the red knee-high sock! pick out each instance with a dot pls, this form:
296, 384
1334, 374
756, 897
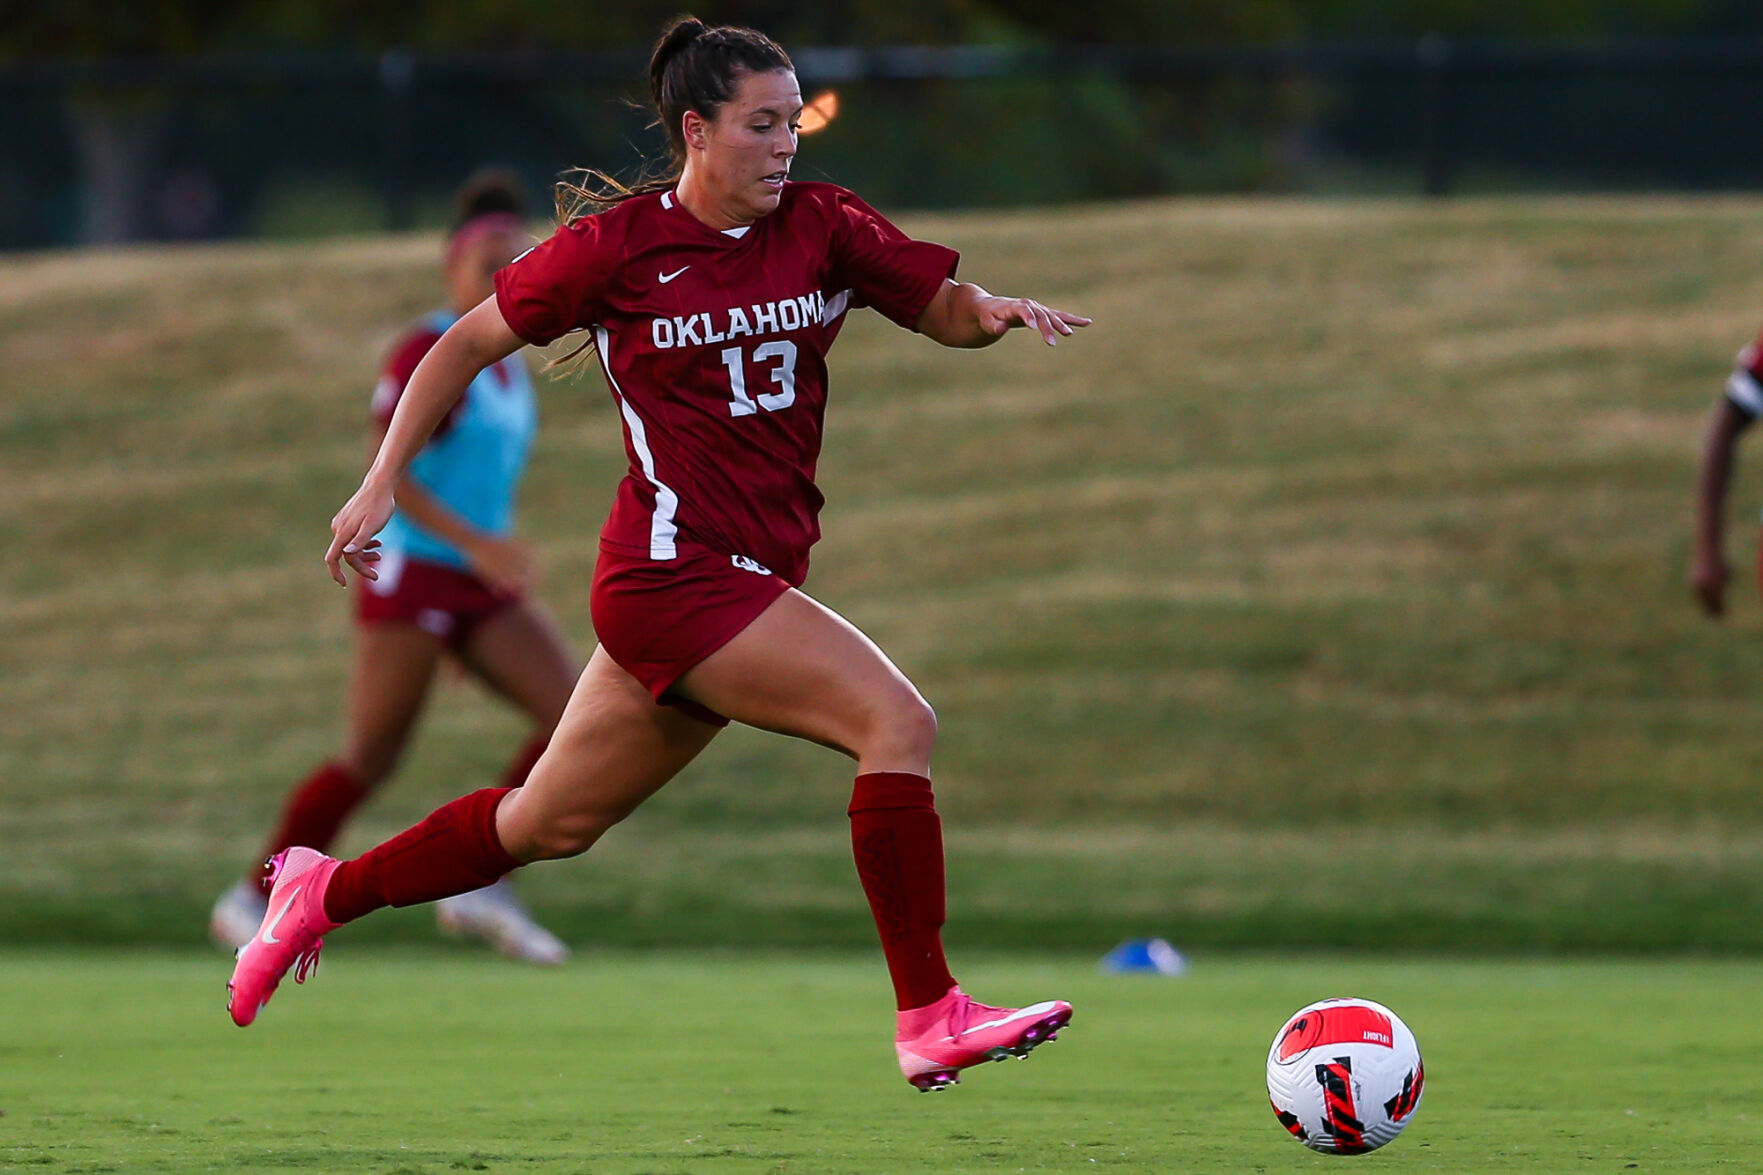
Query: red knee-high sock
897, 841
455, 850
314, 811
524, 760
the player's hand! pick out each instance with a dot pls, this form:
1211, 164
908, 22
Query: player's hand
1708, 579
505, 564
352, 531
997, 315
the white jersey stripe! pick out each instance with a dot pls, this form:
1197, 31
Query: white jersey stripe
1742, 389
662, 527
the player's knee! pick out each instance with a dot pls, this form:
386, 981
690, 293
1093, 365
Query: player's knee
567, 835
370, 768
908, 729
922, 725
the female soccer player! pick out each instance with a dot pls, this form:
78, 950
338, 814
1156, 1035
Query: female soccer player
712, 298
1735, 413
452, 580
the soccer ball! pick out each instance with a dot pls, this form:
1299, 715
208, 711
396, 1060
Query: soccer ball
1344, 1076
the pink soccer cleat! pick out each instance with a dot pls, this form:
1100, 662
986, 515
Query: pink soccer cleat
939, 1040
292, 933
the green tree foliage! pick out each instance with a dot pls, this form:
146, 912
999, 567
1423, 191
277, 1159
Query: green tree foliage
1000, 140
1512, 18
98, 28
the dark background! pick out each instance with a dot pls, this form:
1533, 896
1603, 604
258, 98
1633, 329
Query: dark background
282, 118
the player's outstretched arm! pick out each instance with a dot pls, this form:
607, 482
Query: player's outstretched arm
505, 563
962, 314
477, 340
1708, 566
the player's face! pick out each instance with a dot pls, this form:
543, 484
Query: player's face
471, 277
749, 146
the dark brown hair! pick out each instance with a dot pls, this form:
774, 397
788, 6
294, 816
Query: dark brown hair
487, 191
693, 67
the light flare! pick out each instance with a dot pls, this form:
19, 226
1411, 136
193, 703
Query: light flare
820, 110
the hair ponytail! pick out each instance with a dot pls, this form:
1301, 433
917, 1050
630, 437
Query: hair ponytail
693, 66
681, 33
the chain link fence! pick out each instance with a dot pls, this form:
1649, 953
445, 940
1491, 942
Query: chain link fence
291, 146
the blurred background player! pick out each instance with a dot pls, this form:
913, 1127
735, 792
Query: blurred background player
453, 582
714, 295
1738, 408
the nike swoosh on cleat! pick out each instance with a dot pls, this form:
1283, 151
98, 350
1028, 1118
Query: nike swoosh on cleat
1019, 1014
269, 929
667, 277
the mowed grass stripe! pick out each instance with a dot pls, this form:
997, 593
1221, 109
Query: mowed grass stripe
708, 1063
1080, 889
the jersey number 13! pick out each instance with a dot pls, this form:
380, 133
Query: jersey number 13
783, 374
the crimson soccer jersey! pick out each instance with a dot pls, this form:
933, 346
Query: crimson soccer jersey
1745, 386
715, 345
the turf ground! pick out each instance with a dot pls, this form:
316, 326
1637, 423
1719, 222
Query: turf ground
406, 1062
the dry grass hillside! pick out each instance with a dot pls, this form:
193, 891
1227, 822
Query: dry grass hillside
1329, 589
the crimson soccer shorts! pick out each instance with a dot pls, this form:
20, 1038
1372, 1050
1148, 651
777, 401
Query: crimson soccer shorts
658, 619
442, 601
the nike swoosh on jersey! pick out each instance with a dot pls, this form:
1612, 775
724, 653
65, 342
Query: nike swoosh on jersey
269, 930
667, 277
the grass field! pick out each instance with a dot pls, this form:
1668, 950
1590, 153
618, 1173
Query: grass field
1349, 525
671, 1064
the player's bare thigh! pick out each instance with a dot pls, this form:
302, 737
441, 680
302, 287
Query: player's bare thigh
390, 672
522, 654
614, 748
802, 669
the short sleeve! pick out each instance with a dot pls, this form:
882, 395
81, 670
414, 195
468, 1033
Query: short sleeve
559, 285
1744, 387
884, 267
400, 365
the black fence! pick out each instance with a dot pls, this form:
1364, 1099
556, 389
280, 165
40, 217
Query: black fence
307, 145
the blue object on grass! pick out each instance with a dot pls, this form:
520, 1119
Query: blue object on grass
1144, 956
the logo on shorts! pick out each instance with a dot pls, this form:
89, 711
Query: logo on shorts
435, 621
746, 564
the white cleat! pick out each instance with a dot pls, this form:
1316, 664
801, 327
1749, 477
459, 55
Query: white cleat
495, 915
236, 915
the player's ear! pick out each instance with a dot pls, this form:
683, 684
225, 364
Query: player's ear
696, 129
